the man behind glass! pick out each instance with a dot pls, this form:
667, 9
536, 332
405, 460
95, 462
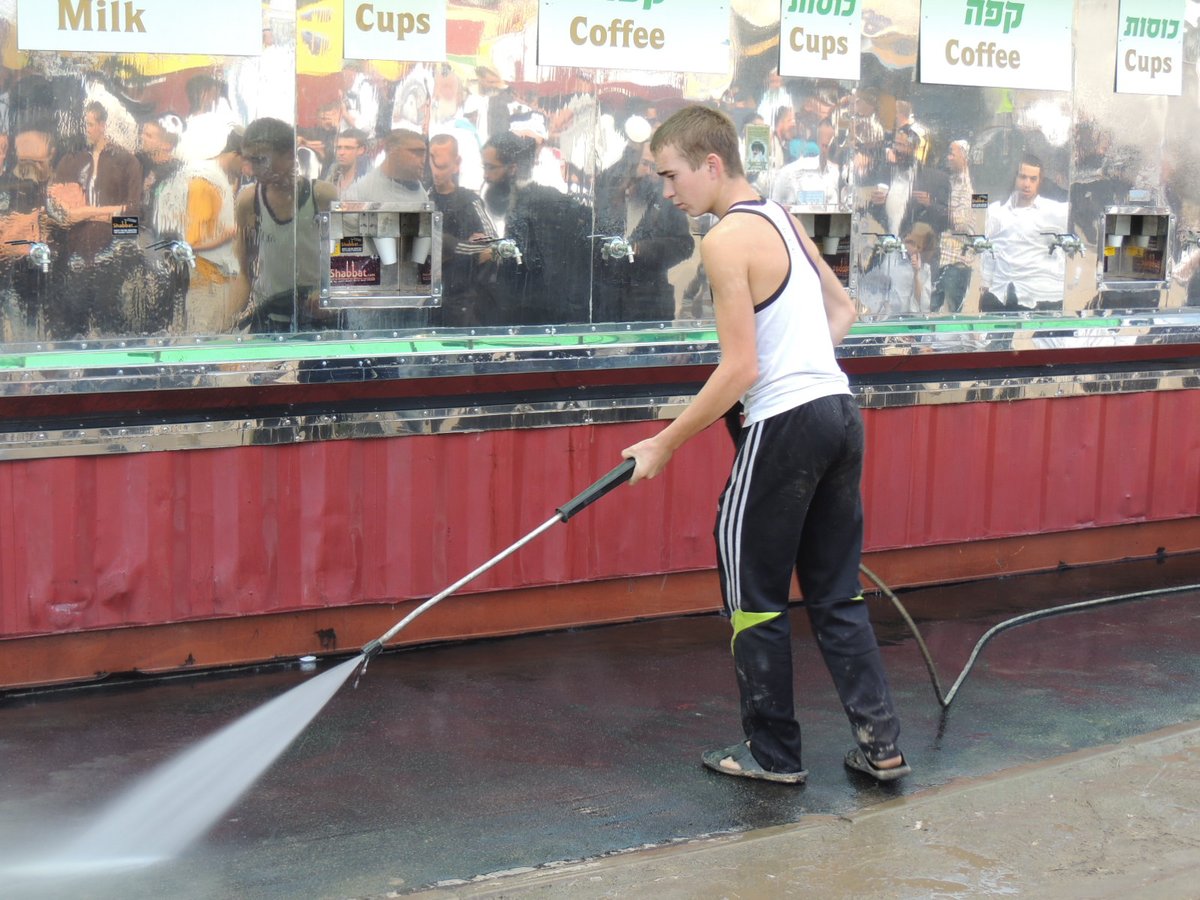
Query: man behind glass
1022, 272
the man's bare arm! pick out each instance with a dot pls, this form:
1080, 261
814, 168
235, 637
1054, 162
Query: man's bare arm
725, 254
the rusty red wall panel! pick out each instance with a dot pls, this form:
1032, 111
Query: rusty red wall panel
101, 542
106, 541
939, 474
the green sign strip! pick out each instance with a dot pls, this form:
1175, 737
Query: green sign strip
273, 350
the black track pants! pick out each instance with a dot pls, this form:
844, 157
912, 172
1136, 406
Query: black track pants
793, 503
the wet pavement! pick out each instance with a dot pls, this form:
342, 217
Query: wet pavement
446, 764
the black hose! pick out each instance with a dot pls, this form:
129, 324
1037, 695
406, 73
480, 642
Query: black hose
946, 698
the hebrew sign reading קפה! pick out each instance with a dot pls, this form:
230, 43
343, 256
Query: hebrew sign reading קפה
997, 43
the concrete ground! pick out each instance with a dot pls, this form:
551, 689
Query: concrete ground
568, 764
1114, 822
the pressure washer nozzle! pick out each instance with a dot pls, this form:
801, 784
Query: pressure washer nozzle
372, 649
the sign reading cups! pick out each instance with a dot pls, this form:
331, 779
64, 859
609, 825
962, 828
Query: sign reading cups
821, 39
141, 26
409, 30
1150, 47
654, 35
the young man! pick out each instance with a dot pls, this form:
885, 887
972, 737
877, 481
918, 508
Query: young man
1019, 274
277, 239
94, 185
792, 501
350, 161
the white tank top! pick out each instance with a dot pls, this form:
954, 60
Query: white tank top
796, 362
280, 268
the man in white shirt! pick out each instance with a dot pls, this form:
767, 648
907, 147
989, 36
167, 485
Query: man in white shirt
1023, 271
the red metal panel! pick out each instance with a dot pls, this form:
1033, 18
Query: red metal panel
971, 471
1175, 479
101, 542
134, 539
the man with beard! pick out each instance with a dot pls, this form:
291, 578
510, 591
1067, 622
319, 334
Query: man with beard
23, 196
548, 283
630, 204
915, 193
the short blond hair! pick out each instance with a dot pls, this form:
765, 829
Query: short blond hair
696, 131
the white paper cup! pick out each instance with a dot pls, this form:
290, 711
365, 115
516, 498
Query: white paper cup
1115, 240
1141, 240
829, 245
386, 248
420, 249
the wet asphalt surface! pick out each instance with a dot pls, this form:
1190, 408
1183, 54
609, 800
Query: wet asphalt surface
452, 762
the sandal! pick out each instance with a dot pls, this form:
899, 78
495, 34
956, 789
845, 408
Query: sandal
749, 767
860, 762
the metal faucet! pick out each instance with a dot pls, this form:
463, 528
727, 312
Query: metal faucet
614, 247
974, 243
1070, 244
39, 255
888, 243
506, 248
180, 251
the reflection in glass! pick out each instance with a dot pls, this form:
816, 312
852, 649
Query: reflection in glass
639, 237
552, 214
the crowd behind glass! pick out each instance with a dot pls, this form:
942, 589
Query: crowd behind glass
184, 204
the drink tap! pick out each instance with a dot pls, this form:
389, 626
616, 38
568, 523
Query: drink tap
614, 247
888, 243
506, 248
974, 243
1070, 244
39, 255
180, 251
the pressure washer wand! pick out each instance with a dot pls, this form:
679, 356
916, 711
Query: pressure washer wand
618, 476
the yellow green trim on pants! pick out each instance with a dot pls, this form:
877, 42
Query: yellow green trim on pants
742, 620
